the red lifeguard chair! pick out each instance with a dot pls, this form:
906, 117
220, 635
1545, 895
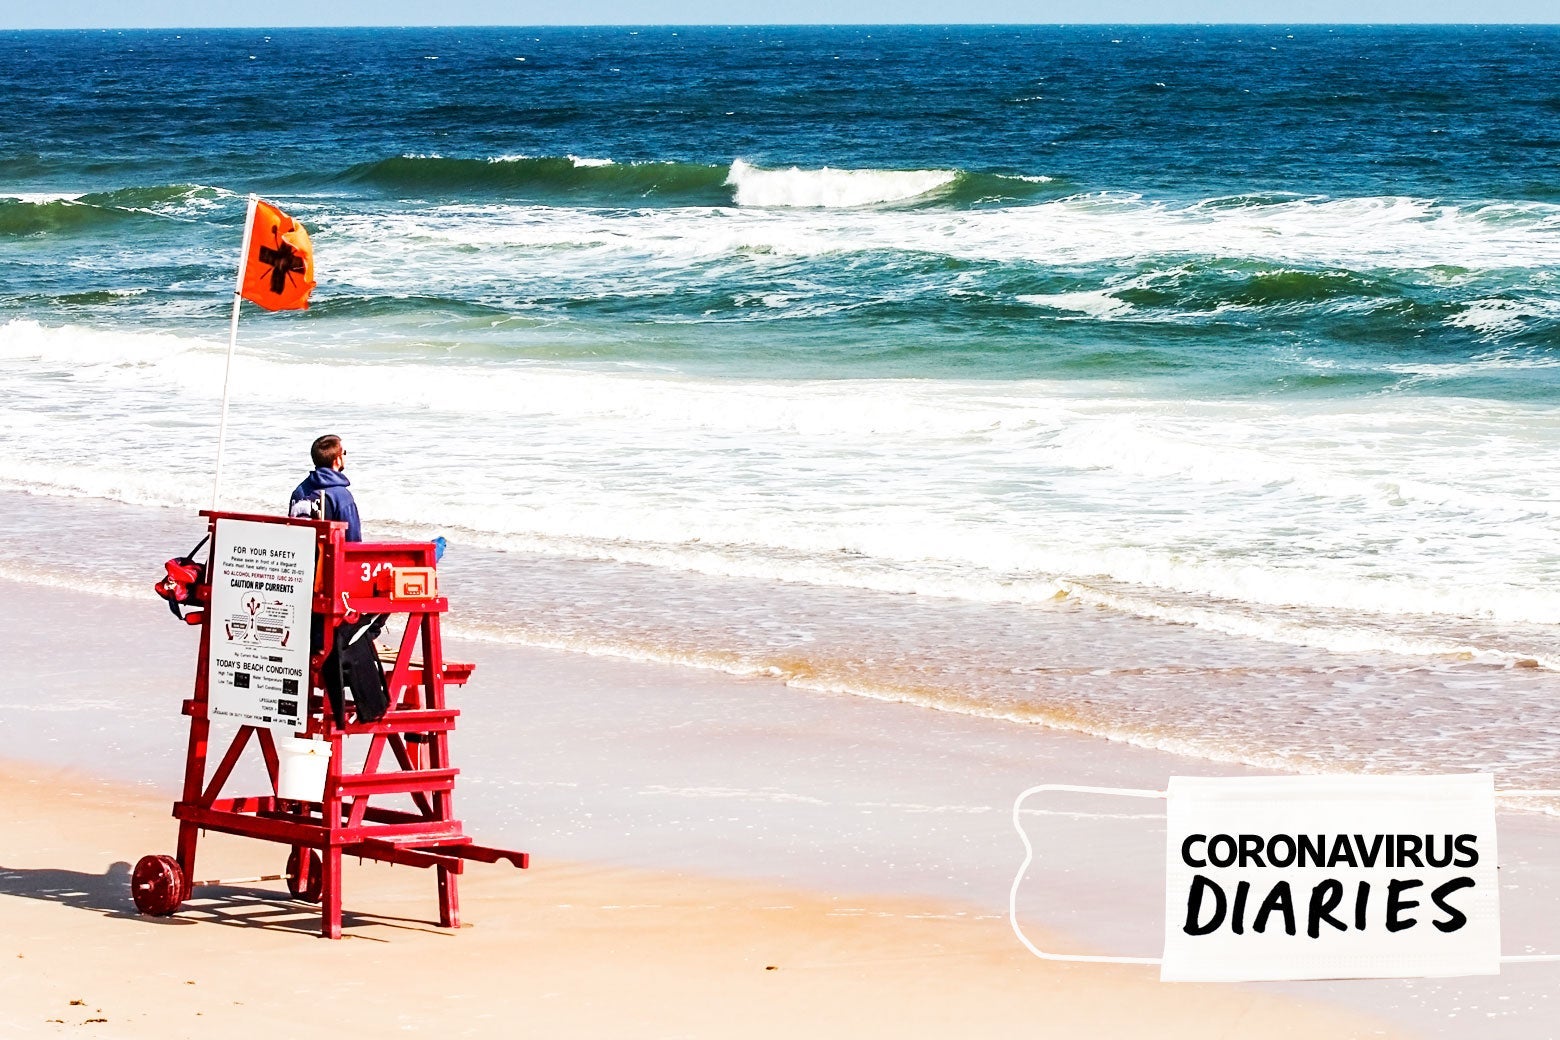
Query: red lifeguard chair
275, 594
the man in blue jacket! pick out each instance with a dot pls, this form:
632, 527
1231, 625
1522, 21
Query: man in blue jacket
323, 495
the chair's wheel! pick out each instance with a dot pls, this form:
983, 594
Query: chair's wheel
157, 885
305, 874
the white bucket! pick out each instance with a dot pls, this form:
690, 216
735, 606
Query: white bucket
301, 768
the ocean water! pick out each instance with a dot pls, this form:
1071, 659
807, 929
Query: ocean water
1190, 386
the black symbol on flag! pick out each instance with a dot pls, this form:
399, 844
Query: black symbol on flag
283, 262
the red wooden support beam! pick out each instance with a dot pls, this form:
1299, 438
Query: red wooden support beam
330, 893
423, 832
407, 720
377, 814
245, 825
406, 857
483, 854
400, 671
359, 784
403, 755
268, 751
225, 767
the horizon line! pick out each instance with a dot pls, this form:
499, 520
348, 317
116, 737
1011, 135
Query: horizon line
798, 25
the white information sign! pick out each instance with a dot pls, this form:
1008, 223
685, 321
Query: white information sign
262, 583
1326, 877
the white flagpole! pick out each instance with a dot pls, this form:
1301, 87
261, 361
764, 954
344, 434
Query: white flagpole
227, 375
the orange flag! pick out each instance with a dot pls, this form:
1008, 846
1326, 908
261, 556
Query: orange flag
279, 268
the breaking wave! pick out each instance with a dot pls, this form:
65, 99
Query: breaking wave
43, 214
605, 182
830, 188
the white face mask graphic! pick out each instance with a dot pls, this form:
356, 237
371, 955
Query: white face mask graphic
1314, 877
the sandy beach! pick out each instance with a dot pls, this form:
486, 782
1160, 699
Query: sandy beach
582, 950
707, 851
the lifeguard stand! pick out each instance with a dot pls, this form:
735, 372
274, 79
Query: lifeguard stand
276, 591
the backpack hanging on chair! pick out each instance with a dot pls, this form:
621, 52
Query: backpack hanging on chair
353, 669
181, 583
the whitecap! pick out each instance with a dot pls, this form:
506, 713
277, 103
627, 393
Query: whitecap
830, 188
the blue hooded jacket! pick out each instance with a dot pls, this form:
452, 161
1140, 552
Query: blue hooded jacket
339, 502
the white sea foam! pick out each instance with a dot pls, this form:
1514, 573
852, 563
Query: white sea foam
1298, 524
39, 198
197, 200
493, 250
26, 340
1096, 304
830, 188
579, 162
1496, 318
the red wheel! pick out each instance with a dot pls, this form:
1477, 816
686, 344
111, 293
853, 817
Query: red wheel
305, 874
157, 885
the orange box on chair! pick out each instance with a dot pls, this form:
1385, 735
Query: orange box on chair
413, 583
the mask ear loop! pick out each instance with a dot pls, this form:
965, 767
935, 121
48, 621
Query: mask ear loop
1529, 958
1029, 855
351, 615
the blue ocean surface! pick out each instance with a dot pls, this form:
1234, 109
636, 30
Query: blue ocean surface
1266, 209
1186, 385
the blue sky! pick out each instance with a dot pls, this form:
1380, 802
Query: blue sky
19, 14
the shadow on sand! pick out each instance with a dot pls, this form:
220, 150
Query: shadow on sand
108, 894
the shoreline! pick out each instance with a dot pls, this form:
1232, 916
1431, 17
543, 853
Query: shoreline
639, 769
1153, 683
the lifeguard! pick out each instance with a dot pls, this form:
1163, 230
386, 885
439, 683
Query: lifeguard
324, 494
